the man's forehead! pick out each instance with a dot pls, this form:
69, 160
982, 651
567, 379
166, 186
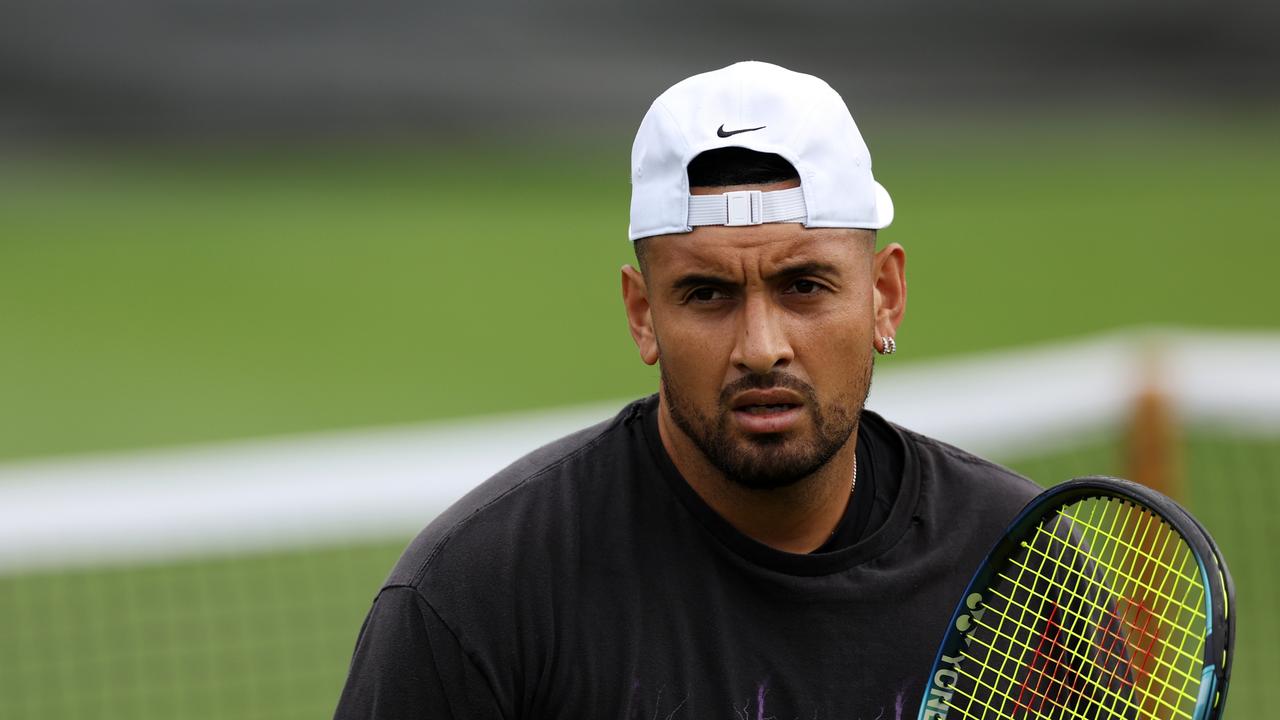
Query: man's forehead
729, 250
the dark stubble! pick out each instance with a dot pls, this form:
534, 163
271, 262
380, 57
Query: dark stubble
771, 460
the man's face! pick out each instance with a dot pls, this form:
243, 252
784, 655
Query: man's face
764, 335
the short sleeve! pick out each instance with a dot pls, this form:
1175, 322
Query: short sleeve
408, 664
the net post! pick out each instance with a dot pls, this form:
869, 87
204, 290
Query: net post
1152, 444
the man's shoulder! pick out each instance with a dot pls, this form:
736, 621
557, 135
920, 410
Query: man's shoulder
953, 471
501, 515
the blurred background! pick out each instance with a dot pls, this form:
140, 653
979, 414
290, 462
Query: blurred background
278, 281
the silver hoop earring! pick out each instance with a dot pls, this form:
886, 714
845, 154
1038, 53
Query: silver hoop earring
887, 346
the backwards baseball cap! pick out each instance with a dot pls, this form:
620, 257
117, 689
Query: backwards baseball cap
759, 107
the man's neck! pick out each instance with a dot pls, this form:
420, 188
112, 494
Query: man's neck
798, 518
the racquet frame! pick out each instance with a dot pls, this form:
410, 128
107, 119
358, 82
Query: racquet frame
1126, 638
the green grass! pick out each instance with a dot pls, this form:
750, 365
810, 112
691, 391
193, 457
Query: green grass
157, 297
270, 635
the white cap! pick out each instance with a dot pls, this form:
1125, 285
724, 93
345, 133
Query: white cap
768, 109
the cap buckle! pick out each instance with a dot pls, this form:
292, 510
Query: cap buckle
744, 207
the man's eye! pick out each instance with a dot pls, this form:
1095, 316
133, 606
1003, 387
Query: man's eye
705, 294
805, 287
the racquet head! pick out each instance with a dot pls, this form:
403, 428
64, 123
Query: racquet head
1104, 599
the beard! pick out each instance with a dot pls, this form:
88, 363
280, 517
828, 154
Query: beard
771, 460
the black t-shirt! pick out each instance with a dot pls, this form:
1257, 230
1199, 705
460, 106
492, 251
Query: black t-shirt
588, 580
880, 456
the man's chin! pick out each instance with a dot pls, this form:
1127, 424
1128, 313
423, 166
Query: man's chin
763, 462
779, 451
766, 478
748, 439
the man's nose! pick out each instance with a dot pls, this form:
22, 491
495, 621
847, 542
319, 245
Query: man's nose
762, 344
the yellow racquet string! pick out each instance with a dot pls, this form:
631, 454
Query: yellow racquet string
1098, 615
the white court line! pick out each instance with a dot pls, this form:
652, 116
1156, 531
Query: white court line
387, 483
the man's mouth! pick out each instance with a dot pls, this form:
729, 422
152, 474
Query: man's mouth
766, 401
766, 409
775, 410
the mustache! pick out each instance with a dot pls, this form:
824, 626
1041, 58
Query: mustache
768, 381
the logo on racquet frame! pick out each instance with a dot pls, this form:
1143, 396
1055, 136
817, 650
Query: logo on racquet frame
943, 683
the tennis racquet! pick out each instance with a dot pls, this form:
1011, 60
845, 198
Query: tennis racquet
1104, 599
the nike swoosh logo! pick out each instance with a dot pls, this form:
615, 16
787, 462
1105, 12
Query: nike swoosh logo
729, 133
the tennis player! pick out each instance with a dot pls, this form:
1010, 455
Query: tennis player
749, 542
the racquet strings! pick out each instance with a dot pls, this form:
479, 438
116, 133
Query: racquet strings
1098, 614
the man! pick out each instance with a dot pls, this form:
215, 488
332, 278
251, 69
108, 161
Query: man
748, 543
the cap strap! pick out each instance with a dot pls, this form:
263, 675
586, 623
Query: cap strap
747, 207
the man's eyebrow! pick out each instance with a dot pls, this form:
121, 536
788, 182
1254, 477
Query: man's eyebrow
808, 267
685, 282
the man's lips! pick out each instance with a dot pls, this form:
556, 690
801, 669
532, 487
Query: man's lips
771, 398
767, 411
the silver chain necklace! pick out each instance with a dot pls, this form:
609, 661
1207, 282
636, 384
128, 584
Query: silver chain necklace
852, 484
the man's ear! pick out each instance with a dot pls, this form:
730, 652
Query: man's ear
635, 298
890, 278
